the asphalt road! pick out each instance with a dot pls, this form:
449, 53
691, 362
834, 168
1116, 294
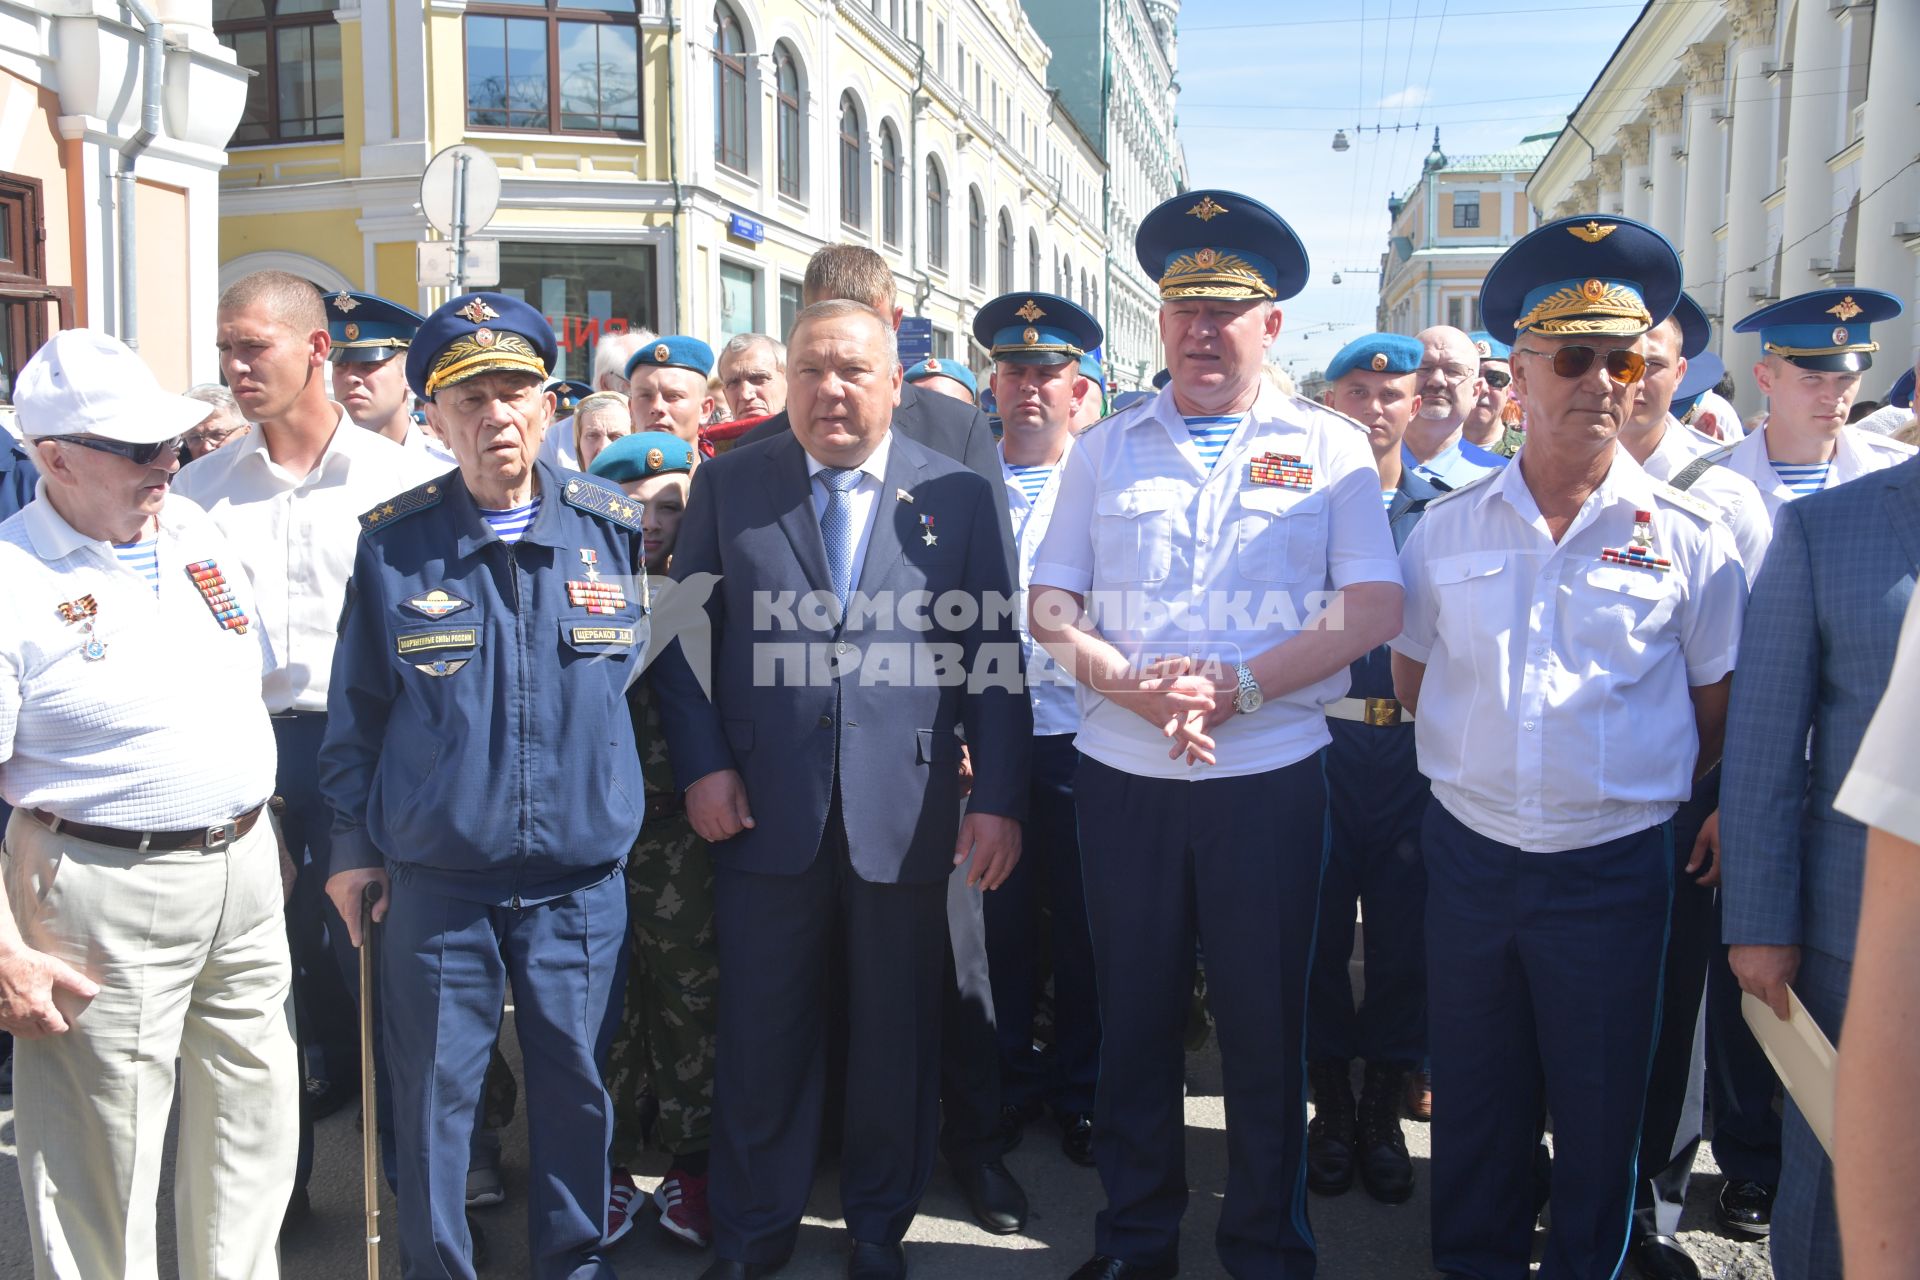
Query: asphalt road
1359, 1239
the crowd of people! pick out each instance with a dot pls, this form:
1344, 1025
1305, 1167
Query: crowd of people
826, 768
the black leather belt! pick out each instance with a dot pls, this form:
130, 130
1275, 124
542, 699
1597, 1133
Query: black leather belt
214, 838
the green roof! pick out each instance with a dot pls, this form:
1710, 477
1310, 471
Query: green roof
1523, 158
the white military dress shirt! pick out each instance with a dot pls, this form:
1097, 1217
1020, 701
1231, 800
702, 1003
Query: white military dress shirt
1732, 494
1049, 687
162, 728
296, 536
1174, 559
1855, 454
1554, 713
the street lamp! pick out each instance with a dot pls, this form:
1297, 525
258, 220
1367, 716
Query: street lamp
1340, 143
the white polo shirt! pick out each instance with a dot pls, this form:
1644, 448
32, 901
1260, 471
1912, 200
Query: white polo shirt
295, 536
163, 729
1731, 493
1554, 713
1856, 453
1176, 559
1049, 686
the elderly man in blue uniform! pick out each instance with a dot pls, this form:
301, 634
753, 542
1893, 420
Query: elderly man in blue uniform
1571, 628
1375, 801
948, 377
1199, 541
495, 619
1823, 626
667, 386
1038, 342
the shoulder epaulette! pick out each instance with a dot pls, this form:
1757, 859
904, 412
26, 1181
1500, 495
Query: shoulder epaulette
608, 504
1129, 411
1468, 487
1329, 410
418, 498
1686, 501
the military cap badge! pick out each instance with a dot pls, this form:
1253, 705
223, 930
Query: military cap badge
478, 312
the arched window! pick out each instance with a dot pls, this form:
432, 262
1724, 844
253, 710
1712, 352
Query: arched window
976, 239
853, 208
787, 128
1033, 261
936, 216
729, 90
1006, 252
889, 186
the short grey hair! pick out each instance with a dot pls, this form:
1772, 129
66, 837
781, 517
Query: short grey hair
601, 402
611, 353
839, 309
745, 344
212, 393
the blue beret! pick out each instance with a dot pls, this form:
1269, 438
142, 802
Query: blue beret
1704, 372
674, 351
1488, 347
1090, 367
642, 454
1220, 244
1390, 353
1035, 328
1826, 330
568, 393
1901, 397
1161, 379
367, 328
1587, 275
478, 333
1695, 331
933, 368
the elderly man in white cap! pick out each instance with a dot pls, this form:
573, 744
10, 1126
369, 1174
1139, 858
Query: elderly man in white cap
142, 893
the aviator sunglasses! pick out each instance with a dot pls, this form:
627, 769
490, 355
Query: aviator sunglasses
138, 454
1624, 367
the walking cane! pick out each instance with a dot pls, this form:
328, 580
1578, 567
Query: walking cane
370, 1116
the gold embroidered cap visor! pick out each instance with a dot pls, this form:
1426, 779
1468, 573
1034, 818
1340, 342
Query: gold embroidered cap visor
1590, 306
478, 333
1217, 273
483, 351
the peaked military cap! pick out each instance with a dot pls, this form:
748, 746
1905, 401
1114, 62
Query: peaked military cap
568, 393
1826, 331
640, 455
478, 333
1389, 353
1695, 331
1035, 328
674, 351
1704, 372
1220, 244
367, 329
1488, 347
936, 368
1585, 275
1901, 397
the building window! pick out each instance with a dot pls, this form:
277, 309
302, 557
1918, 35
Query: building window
575, 286
26, 319
940, 48
729, 90
562, 71
853, 205
936, 216
789, 305
1033, 261
976, 239
1464, 312
942, 344
787, 128
1006, 252
739, 287
293, 49
889, 187
1466, 208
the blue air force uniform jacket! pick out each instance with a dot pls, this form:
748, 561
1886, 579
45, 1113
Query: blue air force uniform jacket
478, 736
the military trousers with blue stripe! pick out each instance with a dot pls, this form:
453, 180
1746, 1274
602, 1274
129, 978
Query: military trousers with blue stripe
1234, 865
1544, 975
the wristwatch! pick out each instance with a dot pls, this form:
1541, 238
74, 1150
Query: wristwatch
1247, 698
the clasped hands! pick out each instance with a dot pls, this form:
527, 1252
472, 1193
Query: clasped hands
1176, 696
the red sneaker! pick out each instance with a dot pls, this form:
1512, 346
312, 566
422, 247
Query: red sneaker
682, 1201
620, 1206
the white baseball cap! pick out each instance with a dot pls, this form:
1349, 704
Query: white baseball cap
87, 383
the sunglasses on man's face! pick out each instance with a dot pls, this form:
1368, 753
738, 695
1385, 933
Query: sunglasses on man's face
139, 455
1496, 378
1624, 367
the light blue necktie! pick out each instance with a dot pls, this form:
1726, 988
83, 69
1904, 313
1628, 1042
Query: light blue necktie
836, 527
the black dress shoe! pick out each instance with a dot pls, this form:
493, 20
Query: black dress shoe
998, 1203
1746, 1209
1661, 1258
1103, 1267
1332, 1131
1385, 1168
877, 1262
728, 1269
1076, 1137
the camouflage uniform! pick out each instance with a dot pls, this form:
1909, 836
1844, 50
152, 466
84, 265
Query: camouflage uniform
1511, 438
666, 1035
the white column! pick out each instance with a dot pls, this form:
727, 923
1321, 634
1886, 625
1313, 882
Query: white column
1606, 171
1705, 66
1635, 198
1749, 179
1813, 134
1668, 210
1882, 260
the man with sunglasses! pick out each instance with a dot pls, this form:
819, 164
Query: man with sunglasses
140, 918
1449, 387
1571, 628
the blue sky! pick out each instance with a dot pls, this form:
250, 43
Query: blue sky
1264, 84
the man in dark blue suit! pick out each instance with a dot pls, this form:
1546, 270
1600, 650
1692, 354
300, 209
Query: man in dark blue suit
860, 620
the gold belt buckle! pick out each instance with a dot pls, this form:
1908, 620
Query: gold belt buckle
1383, 711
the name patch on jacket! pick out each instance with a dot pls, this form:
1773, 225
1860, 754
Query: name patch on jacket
427, 641
603, 635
